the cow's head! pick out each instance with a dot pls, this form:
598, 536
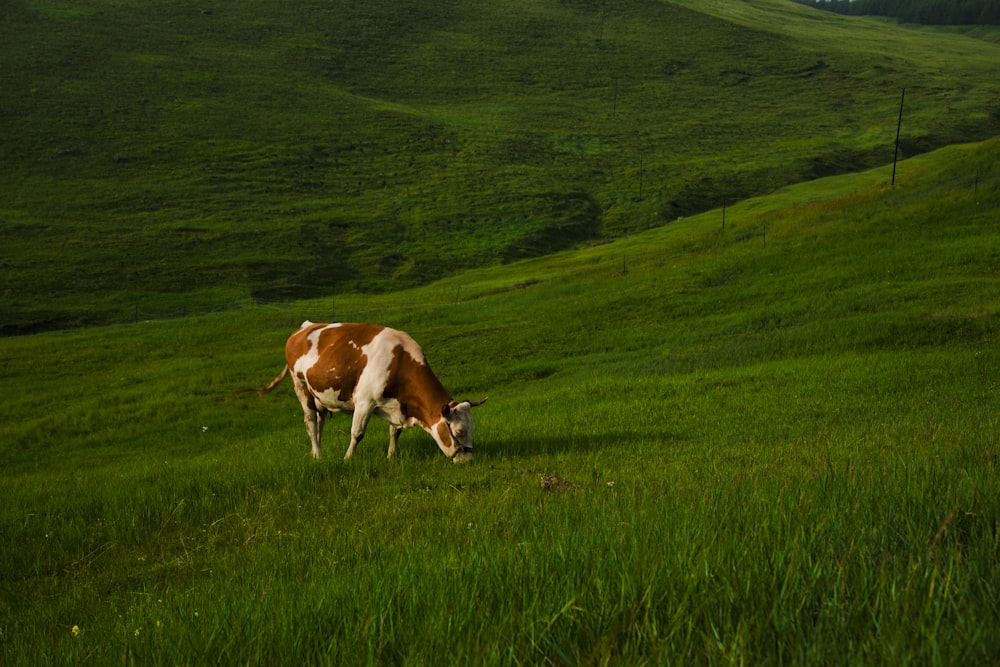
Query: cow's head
457, 421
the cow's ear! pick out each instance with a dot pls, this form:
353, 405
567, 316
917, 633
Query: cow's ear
446, 410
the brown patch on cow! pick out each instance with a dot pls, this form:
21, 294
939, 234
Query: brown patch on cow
443, 433
337, 372
357, 334
414, 385
402, 363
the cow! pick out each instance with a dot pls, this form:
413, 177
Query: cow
370, 370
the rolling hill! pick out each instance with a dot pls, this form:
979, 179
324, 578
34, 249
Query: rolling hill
161, 158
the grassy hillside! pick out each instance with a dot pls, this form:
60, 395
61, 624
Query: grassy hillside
162, 158
779, 441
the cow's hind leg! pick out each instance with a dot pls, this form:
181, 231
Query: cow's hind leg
313, 416
394, 432
314, 425
321, 414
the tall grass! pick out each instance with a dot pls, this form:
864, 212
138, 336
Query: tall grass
869, 542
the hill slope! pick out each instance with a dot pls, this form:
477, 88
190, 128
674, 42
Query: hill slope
159, 157
777, 440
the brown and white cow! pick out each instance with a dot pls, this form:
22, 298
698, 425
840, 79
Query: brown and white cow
372, 370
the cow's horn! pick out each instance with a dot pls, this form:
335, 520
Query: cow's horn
473, 404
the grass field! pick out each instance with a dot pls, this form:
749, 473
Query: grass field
160, 158
779, 441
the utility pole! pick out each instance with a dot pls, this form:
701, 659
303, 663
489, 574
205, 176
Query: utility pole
899, 124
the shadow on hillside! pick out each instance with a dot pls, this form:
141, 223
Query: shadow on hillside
417, 445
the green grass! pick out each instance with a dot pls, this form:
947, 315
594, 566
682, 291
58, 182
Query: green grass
782, 438
157, 159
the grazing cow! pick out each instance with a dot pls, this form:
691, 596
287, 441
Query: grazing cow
371, 370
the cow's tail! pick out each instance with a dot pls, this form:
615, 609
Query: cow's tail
266, 389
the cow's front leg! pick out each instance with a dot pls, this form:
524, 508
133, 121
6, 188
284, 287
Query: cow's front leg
394, 432
362, 413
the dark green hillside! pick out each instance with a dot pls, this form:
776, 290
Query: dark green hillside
161, 158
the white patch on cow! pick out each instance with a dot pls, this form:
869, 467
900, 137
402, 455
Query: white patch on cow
391, 411
330, 399
380, 352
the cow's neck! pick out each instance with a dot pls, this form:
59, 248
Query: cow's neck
427, 398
